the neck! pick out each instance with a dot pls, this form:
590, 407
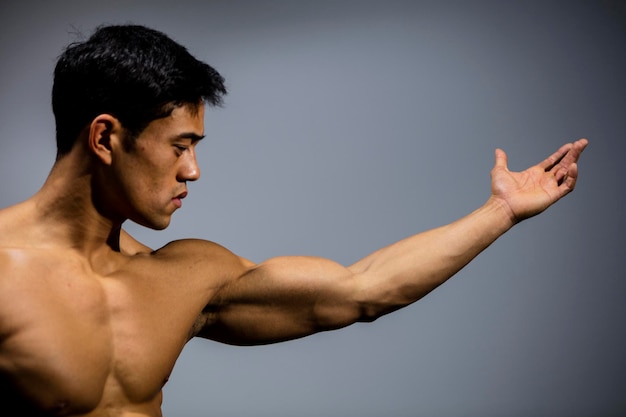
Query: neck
65, 205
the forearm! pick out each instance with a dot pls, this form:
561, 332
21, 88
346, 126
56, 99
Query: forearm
405, 271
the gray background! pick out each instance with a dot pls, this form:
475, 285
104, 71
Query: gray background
352, 124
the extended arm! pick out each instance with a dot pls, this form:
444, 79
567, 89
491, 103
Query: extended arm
290, 297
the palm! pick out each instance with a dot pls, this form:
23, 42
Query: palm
529, 192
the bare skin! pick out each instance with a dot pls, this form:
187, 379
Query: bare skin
92, 321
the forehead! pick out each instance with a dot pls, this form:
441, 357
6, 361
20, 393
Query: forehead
183, 120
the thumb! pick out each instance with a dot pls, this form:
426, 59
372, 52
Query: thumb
501, 159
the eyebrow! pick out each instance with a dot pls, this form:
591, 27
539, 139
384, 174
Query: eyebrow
189, 135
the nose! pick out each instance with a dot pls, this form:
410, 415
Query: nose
189, 170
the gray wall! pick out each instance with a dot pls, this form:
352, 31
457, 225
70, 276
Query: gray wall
351, 124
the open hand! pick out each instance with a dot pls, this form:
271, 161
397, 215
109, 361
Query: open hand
530, 192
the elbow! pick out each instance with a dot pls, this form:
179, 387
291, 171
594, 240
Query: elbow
360, 301
377, 302
372, 311
369, 315
337, 316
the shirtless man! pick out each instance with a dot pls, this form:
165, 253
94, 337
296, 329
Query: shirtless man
92, 321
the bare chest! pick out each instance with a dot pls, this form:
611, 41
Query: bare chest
70, 340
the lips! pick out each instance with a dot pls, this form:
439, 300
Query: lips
178, 199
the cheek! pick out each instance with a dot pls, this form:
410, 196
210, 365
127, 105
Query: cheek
150, 186
147, 175
139, 185
156, 186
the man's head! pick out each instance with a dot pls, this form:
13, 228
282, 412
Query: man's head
133, 73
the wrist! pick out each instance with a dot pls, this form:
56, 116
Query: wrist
502, 210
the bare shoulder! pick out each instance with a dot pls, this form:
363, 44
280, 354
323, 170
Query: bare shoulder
198, 262
14, 240
12, 224
7, 260
199, 251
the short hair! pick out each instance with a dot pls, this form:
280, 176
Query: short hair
136, 74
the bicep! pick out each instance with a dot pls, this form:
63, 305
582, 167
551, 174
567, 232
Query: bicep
282, 299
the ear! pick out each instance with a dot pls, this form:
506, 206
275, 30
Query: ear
105, 134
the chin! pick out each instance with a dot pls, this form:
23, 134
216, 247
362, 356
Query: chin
159, 226
152, 224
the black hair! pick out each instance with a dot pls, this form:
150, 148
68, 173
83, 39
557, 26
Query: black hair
132, 72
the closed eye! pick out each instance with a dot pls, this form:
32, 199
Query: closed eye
180, 149
184, 141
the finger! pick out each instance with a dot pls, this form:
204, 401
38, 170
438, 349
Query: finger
501, 159
551, 161
561, 175
570, 157
569, 180
579, 147
567, 168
